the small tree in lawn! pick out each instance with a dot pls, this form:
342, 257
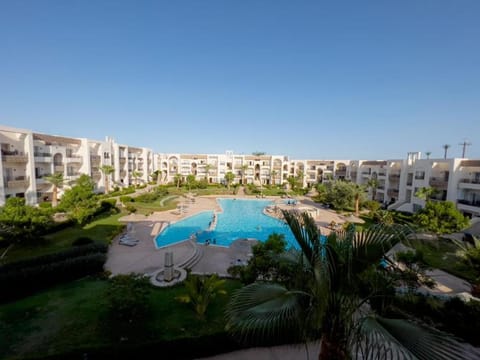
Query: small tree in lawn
229, 177
273, 174
190, 181
56, 180
201, 291
178, 179
244, 173
136, 175
107, 170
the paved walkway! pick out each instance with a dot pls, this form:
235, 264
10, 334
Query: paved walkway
145, 258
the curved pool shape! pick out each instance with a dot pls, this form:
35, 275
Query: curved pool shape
240, 219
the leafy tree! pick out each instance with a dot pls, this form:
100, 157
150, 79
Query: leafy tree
190, 181
268, 261
56, 180
107, 170
156, 176
21, 223
229, 177
372, 184
426, 193
244, 173
201, 291
208, 167
80, 201
440, 217
344, 194
178, 179
273, 174
329, 300
136, 175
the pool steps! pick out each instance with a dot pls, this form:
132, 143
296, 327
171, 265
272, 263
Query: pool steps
195, 258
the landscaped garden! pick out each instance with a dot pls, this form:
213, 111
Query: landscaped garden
60, 303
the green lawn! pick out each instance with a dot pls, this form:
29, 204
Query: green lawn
73, 316
441, 254
101, 230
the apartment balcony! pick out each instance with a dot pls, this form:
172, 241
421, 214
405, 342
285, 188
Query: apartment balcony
96, 175
469, 206
341, 172
392, 193
95, 159
42, 157
382, 173
439, 183
74, 159
123, 160
18, 182
123, 173
58, 168
473, 184
14, 159
393, 177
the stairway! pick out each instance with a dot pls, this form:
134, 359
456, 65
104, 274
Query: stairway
195, 258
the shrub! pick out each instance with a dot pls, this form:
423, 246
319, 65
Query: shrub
126, 199
83, 240
131, 208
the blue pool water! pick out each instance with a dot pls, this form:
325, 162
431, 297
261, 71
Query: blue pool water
239, 219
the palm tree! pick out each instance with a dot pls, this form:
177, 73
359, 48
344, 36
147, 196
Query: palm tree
329, 300
373, 185
56, 180
107, 170
358, 194
136, 175
201, 290
428, 153
229, 177
445, 148
244, 173
208, 167
272, 176
177, 178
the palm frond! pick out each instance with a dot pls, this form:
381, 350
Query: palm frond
306, 233
412, 341
265, 311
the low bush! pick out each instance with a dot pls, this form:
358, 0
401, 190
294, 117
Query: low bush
125, 199
81, 241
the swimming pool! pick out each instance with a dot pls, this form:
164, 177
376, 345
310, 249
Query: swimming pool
240, 219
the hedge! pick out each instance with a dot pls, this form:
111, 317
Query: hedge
26, 277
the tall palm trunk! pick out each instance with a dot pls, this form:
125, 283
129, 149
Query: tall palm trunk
357, 204
54, 196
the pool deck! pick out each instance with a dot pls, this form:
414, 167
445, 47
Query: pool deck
145, 258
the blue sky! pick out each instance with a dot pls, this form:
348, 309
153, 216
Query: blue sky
308, 79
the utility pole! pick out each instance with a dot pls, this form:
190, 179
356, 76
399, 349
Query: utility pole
464, 145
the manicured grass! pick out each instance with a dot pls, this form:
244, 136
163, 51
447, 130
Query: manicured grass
441, 254
74, 316
147, 208
102, 230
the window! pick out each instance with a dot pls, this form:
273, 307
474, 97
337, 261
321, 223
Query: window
419, 175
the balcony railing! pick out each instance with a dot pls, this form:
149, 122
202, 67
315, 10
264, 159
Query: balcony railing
95, 159
15, 158
468, 202
58, 168
438, 182
470, 181
42, 154
18, 182
393, 177
74, 159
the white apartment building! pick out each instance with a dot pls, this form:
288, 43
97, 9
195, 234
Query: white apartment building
27, 157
